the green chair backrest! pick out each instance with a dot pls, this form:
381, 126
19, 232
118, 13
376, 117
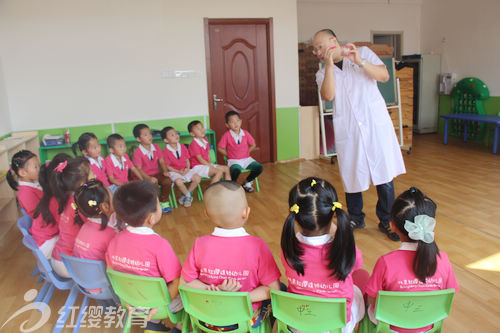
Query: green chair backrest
143, 292
307, 313
413, 309
217, 308
213, 156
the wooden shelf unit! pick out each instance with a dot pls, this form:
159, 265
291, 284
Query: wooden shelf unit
9, 211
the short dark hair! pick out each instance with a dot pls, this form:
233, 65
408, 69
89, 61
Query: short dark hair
138, 128
113, 138
134, 201
193, 124
327, 31
229, 184
165, 130
230, 114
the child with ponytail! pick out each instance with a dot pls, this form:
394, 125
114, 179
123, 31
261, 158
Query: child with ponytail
23, 178
66, 178
93, 201
90, 147
417, 265
319, 258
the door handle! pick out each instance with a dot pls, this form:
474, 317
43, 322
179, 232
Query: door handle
215, 100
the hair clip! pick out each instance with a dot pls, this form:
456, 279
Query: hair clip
313, 182
413, 190
422, 229
295, 208
60, 167
92, 203
74, 206
85, 185
11, 170
336, 205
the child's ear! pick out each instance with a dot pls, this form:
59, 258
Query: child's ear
192, 134
227, 125
22, 173
138, 140
205, 213
393, 227
165, 140
245, 213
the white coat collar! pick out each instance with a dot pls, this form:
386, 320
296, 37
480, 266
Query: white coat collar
98, 162
314, 240
149, 153
116, 163
30, 184
141, 230
178, 150
221, 232
237, 137
408, 246
201, 142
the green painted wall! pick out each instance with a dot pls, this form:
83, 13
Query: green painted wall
491, 106
287, 132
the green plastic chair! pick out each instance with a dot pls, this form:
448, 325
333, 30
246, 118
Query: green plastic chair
409, 310
307, 313
257, 187
220, 308
145, 293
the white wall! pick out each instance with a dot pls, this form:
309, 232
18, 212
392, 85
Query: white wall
466, 34
91, 61
355, 20
5, 126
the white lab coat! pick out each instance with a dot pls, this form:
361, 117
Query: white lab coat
367, 148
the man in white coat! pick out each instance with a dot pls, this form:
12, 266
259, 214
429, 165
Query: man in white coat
367, 147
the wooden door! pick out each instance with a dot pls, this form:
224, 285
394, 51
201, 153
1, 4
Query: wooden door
240, 77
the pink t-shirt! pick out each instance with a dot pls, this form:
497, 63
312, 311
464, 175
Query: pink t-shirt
141, 251
316, 280
29, 195
40, 230
195, 148
118, 169
169, 154
68, 230
394, 272
148, 160
231, 254
92, 242
99, 169
234, 150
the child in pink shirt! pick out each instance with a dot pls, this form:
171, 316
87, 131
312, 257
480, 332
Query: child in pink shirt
320, 259
417, 265
23, 178
118, 163
45, 228
230, 259
199, 152
146, 159
93, 201
91, 149
176, 158
237, 144
66, 178
138, 249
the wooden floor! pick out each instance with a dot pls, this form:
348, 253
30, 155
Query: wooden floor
464, 180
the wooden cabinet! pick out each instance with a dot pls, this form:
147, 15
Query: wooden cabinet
9, 212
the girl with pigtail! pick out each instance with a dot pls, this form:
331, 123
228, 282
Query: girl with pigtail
417, 265
93, 202
319, 258
66, 178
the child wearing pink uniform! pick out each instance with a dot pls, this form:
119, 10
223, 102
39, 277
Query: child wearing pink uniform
91, 148
237, 144
23, 177
313, 254
66, 178
117, 163
412, 218
230, 259
199, 152
93, 201
138, 249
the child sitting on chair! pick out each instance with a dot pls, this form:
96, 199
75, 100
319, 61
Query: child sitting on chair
146, 159
176, 157
91, 148
230, 259
118, 163
237, 144
199, 150
138, 249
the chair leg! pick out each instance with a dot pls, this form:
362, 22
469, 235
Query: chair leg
47, 296
257, 187
42, 292
35, 271
81, 313
200, 193
127, 322
173, 199
66, 310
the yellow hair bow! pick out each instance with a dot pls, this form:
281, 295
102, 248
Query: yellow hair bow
336, 205
92, 203
74, 206
313, 182
295, 208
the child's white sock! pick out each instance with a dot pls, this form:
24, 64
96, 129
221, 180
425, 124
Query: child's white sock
188, 195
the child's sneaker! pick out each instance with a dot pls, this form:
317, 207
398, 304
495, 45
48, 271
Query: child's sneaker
188, 201
182, 199
156, 327
165, 207
248, 187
